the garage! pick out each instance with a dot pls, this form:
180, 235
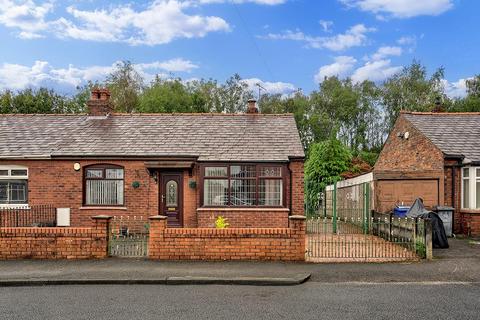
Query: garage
392, 192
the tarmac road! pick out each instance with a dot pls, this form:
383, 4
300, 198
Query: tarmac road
313, 300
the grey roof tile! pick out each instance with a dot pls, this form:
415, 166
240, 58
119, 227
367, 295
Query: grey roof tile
452, 133
210, 137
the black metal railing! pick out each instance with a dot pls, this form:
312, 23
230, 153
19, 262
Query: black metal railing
28, 216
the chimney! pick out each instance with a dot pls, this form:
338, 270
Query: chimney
252, 108
438, 105
99, 103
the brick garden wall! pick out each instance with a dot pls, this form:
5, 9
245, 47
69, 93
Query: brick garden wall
244, 218
279, 244
55, 243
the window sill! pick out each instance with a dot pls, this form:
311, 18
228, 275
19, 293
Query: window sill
243, 209
471, 211
103, 208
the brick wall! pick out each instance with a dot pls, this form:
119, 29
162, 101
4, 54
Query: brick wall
279, 244
297, 192
415, 155
55, 182
402, 161
244, 218
55, 243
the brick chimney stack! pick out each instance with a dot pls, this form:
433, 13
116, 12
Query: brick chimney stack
252, 108
99, 102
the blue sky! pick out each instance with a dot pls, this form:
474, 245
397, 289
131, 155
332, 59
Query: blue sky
283, 44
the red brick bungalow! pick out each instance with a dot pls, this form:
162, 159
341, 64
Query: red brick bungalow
435, 156
190, 167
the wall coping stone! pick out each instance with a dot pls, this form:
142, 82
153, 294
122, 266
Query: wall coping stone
297, 217
158, 217
102, 217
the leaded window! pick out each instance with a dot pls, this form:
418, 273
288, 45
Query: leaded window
242, 185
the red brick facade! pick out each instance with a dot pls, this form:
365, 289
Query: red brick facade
417, 158
56, 182
280, 244
55, 243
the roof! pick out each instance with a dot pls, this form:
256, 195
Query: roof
210, 137
455, 134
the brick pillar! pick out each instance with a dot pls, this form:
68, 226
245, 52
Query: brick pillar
158, 224
100, 231
297, 224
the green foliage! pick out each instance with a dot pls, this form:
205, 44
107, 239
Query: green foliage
326, 161
421, 250
221, 223
125, 85
411, 90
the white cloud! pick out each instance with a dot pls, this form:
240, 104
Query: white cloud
457, 89
384, 52
264, 2
407, 40
41, 73
376, 71
401, 8
283, 88
341, 68
353, 37
326, 25
161, 22
25, 16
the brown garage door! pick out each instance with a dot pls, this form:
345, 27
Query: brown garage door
392, 192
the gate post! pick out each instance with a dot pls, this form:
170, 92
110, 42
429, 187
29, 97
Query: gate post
155, 239
100, 233
428, 239
334, 203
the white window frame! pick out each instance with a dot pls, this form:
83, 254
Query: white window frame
472, 185
9, 176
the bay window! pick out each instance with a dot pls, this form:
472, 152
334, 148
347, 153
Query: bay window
241, 185
13, 185
103, 185
471, 188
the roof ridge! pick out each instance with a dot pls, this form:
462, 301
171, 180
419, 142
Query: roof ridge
439, 113
152, 114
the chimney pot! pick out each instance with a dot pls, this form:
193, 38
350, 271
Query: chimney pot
252, 108
99, 103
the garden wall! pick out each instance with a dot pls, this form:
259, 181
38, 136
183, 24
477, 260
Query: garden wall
275, 244
55, 243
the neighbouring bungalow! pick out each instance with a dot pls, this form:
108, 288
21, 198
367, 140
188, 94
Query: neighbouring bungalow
435, 156
192, 168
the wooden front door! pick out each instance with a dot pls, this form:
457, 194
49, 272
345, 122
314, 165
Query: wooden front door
171, 199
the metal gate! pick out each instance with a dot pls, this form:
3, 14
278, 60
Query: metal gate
344, 229
128, 237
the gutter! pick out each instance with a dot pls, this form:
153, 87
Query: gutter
27, 157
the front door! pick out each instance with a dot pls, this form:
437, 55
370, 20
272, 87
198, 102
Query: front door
171, 191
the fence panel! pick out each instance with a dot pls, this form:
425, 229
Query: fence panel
28, 216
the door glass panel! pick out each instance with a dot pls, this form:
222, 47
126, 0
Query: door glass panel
171, 193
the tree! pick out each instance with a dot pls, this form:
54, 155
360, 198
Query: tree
326, 161
42, 100
411, 90
125, 85
234, 95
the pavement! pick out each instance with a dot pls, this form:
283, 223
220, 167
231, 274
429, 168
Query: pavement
459, 264
312, 300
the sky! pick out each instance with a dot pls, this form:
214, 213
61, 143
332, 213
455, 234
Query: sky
284, 45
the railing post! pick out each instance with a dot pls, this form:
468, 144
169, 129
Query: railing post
428, 239
366, 206
334, 200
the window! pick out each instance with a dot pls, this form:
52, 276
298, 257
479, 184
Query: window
104, 185
471, 188
13, 185
243, 185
